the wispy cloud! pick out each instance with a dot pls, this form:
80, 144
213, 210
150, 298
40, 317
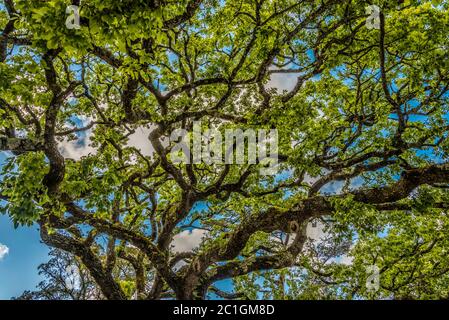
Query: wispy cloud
4, 250
80, 147
187, 240
139, 139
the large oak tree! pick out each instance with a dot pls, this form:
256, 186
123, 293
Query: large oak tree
363, 143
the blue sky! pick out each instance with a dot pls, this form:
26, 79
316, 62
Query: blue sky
18, 269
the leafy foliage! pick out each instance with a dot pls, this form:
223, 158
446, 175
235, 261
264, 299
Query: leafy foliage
362, 117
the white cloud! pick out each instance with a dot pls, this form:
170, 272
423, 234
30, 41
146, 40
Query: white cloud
334, 187
81, 147
139, 139
4, 250
187, 240
77, 149
283, 81
310, 180
315, 231
345, 259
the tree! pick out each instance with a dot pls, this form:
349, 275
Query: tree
362, 143
65, 278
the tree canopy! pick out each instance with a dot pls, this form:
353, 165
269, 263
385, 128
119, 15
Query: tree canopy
65, 278
362, 119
